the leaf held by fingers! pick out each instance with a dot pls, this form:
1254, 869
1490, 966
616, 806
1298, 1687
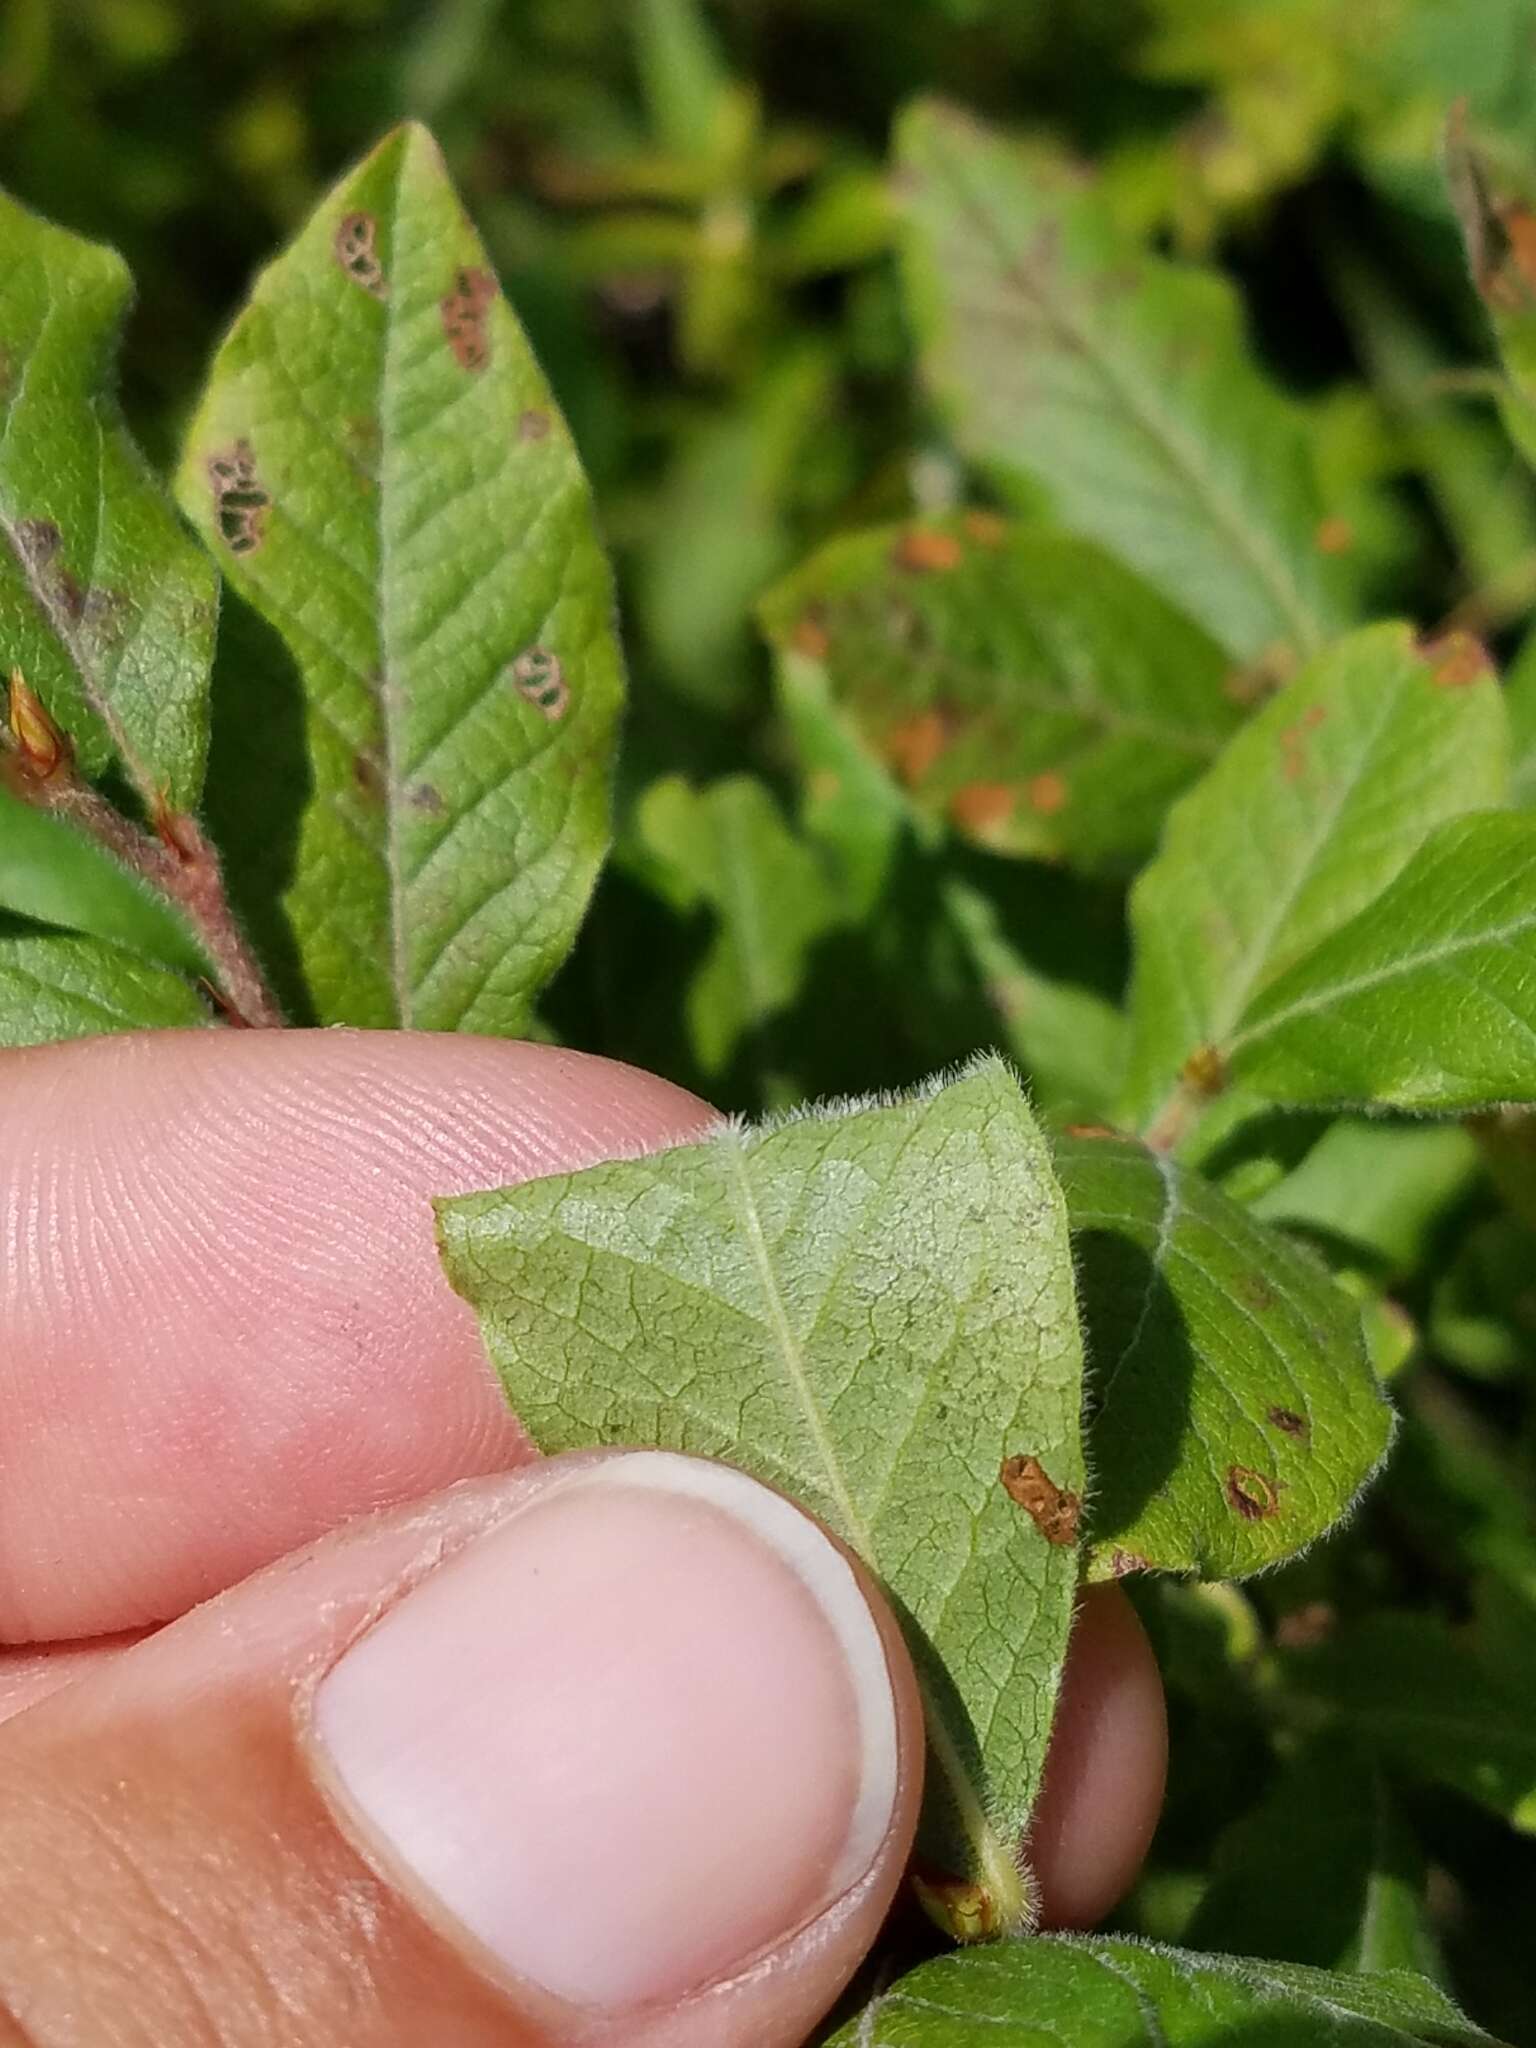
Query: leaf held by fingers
872, 1309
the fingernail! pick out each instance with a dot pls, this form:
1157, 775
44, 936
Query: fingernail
635, 1735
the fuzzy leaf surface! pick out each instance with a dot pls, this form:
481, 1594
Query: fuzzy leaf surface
381, 470
1233, 1414
870, 1309
1113, 1993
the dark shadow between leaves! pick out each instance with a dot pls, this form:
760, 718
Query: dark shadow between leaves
1140, 1377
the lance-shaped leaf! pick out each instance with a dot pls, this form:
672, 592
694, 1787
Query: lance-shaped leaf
382, 471
1113, 1994
1233, 1414
1120, 382
54, 985
1427, 999
106, 604
873, 1310
1311, 811
1016, 680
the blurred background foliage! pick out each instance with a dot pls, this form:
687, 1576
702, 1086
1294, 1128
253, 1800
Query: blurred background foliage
690, 207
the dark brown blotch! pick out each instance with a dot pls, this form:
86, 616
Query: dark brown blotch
240, 504
356, 249
465, 310
1054, 1510
1250, 1494
1289, 1421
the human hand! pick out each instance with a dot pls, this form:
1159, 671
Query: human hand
610, 1748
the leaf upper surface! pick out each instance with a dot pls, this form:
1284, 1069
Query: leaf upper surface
1311, 811
1119, 381
870, 1310
106, 605
382, 471
1234, 1416
54, 985
1112, 1993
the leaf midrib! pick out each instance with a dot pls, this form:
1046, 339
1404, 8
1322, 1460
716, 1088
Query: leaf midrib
389, 746
1273, 577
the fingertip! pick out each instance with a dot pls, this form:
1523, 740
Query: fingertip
1107, 1766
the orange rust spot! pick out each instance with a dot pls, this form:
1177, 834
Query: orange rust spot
1250, 1494
987, 529
1046, 794
923, 550
1457, 660
1090, 1131
1288, 1420
810, 637
1205, 1071
957, 1906
44, 749
1293, 741
915, 745
1052, 1508
981, 806
1334, 536
464, 311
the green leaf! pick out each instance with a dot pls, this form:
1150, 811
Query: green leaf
1114, 1993
106, 605
55, 986
380, 467
872, 1310
1233, 1416
728, 847
55, 875
1311, 811
1425, 1000
1374, 1191
1404, 1684
1329, 1810
1497, 227
1017, 680
1121, 382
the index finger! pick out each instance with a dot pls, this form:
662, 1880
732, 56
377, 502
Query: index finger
222, 1320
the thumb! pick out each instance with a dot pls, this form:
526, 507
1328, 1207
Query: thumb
620, 1747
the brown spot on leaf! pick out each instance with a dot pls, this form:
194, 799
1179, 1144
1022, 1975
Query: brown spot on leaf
1334, 536
533, 424
424, 796
924, 550
1123, 1562
537, 674
1053, 1509
1090, 1131
1288, 1420
356, 249
240, 505
987, 529
1293, 741
1250, 1494
37, 542
464, 311
1457, 660
1256, 1291
982, 806
810, 637
914, 746
1046, 794
368, 774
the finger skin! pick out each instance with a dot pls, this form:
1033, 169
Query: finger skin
177, 1869
1107, 1765
225, 1327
